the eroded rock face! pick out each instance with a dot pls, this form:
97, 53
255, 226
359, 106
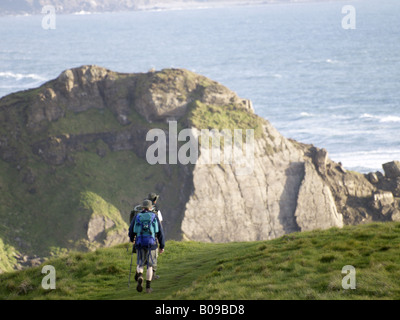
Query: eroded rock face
316, 207
294, 187
97, 227
284, 193
97, 232
167, 95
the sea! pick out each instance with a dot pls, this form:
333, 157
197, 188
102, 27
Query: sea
325, 73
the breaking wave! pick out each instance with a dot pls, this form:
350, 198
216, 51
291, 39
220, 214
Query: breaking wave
383, 119
371, 160
20, 76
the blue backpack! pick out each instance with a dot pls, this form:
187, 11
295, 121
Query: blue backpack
146, 227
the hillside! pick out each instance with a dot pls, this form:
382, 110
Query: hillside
73, 158
74, 162
303, 265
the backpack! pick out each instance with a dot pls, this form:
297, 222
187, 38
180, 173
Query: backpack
136, 210
145, 227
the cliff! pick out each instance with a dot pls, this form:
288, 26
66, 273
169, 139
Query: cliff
74, 161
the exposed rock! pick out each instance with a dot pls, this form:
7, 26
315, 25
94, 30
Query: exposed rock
167, 94
97, 227
115, 238
396, 215
46, 107
389, 184
382, 199
25, 261
162, 96
384, 202
373, 177
248, 205
283, 194
392, 169
341, 168
105, 226
320, 159
396, 187
316, 208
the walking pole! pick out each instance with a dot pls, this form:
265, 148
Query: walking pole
130, 269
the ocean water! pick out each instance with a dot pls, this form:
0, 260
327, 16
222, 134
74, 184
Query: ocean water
315, 81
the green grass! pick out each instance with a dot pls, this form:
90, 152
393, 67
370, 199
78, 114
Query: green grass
203, 116
7, 259
89, 121
304, 265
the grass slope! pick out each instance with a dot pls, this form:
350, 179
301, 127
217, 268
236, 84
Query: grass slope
304, 265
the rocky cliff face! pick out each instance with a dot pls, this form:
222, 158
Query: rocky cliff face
73, 164
294, 188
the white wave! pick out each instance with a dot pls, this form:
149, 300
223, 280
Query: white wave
390, 119
368, 160
367, 115
306, 114
82, 12
20, 76
382, 119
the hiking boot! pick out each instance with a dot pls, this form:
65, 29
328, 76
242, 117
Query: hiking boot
139, 286
149, 290
155, 277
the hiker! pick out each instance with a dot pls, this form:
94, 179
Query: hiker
153, 198
144, 230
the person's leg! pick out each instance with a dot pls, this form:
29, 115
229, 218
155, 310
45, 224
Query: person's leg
155, 268
139, 271
139, 286
149, 276
152, 260
149, 273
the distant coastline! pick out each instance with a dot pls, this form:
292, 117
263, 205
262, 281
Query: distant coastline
25, 7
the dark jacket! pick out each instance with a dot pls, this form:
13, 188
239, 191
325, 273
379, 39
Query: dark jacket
159, 234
